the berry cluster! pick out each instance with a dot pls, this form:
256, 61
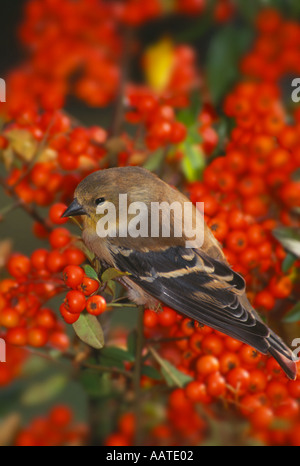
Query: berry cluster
223, 368
35, 280
276, 49
158, 118
81, 296
23, 311
75, 49
125, 431
55, 429
32, 283
154, 106
66, 39
57, 148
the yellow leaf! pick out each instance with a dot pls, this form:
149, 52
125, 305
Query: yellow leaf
23, 143
47, 155
9, 428
158, 64
5, 250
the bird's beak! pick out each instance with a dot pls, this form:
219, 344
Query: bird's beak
74, 209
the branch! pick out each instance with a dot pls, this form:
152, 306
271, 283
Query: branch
71, 357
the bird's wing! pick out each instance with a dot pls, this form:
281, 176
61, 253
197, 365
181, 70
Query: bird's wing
194, 284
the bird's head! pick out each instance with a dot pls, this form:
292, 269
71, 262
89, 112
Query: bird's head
103, 188
124, 204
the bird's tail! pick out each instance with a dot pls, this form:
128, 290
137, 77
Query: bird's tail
283, 355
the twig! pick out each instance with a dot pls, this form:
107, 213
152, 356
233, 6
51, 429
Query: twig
7, 209
157, 341
87, 365
113, 370
137, 375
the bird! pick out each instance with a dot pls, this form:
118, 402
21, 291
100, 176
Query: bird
192, 276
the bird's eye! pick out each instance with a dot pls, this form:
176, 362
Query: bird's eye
99, 201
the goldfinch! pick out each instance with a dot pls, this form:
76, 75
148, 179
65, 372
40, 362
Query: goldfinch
190, 275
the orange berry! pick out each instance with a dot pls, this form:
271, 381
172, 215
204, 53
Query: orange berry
207, 364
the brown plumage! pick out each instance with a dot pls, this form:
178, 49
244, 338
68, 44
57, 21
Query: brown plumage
196, 281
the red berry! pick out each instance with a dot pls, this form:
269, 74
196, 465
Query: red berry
9, 318
207, 364
75, 301
69, 317
37, 336
39, 258
88, 286
167, 317
150, 318
239, 379
61, 416
96, 305
17, 336
73, 276
55, 213
19, 266
59, 238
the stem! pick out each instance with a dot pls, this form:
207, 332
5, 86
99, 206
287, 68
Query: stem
137, 375
113, 370
158, 341
114, 304
7, 209
87, 365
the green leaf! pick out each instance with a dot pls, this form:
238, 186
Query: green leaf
250, 9
222, 68
188, 116
293, 315
193, 161
296, 175
295, 8
89, 330
44, 391
288, 262
131, 342
112, 274
173, 376
155, 160
116, 353
151, 372
90, 272
95, 385
110, 362
289, 239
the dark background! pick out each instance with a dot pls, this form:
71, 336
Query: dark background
10, 17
